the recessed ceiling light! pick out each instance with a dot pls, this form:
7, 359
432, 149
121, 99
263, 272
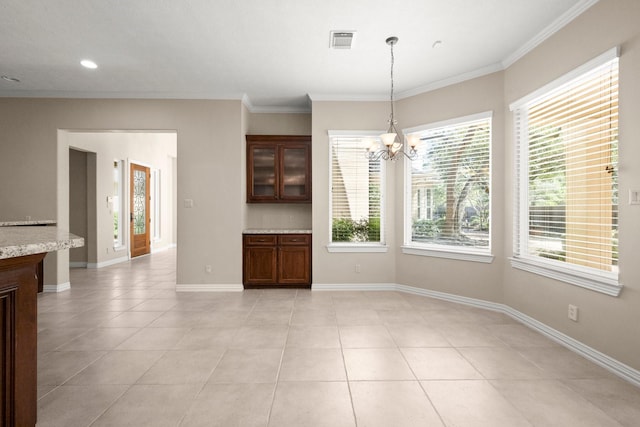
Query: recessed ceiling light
87, 63
11, 79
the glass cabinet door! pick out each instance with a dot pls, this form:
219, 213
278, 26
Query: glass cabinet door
294, 172
264, 172
278, 169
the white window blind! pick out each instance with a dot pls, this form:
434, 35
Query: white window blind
448, 197
567, 175
357, 186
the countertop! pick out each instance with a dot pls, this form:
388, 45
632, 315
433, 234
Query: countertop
28, 222
21, 241
275, 231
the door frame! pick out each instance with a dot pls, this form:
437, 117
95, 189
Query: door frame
129, 213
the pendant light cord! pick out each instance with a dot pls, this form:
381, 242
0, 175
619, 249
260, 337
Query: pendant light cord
391, 119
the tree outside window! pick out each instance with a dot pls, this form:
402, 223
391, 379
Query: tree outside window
452, 175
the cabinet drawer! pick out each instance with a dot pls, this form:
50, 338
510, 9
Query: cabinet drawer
260, 240
293, 239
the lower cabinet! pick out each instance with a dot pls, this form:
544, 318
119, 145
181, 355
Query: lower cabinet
19, 340
276, 260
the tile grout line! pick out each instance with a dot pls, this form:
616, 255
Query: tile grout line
346, 372
275, 386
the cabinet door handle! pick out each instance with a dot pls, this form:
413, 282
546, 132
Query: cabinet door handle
294, 240
262, 240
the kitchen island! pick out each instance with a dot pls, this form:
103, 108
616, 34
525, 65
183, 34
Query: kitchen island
21, 251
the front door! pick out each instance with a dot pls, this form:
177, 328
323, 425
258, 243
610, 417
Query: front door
140, 235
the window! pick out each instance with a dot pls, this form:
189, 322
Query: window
447, 189
567, 179
357, 192
117, 203
424, 204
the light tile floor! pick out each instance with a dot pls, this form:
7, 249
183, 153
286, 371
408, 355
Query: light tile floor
122, 348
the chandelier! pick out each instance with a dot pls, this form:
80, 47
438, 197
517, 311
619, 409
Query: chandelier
391, 148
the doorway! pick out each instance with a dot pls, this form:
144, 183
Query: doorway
140, 202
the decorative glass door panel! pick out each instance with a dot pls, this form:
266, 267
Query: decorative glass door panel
264, 167
139, 201
140, 241
294, 166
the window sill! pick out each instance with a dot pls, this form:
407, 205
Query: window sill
474, 256
602, 283
357, 247
119, 248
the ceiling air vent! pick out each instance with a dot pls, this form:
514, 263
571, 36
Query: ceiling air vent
342, 39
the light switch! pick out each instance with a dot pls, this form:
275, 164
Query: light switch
634, 197
188, 203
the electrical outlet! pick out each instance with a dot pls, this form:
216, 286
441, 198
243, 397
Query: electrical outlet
573, 312
207, 268
357, 268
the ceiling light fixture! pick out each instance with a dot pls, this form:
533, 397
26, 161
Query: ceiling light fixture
391, 145
87, 63
11, 79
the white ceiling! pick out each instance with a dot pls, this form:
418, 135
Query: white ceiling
275, 52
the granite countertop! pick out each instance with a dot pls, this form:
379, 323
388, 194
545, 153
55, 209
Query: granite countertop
28, 222
275, 231
21, 241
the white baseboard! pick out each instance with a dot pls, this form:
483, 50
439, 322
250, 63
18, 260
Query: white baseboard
612, 365
353, 287
163, 248
78, 264
213, 287
57, 288
107, 263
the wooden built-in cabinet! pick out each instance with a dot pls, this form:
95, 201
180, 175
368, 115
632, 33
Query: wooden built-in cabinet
278, 169
18, 340
276, 260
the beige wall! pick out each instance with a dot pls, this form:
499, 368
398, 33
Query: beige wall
209, 137
337, 268
279, 124
466, 278
609, 324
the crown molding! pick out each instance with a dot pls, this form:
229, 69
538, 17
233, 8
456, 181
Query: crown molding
120, 95
489, 69
548, 31
314, 97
